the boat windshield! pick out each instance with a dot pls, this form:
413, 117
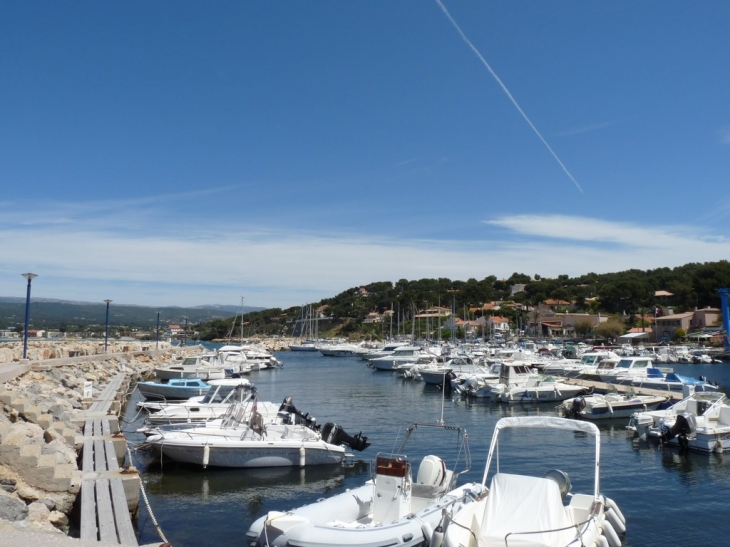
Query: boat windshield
217, 395
631, 363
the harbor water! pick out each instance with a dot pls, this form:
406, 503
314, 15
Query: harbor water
667, 497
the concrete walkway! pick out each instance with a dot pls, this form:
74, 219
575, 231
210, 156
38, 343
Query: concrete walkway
10, 537
13, 370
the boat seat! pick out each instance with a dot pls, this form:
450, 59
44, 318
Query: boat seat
723, 417
518, 504
691, 407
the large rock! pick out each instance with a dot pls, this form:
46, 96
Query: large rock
12, 508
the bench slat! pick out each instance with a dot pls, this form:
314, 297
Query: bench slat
88, 511
121, 512
107, 526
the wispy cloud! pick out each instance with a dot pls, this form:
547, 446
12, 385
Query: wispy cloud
83, 260
587, 229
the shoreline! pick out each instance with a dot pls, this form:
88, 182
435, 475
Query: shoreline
43, 400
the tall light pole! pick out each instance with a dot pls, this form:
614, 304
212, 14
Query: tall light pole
185, 337
30, 277
106, 331
157, 344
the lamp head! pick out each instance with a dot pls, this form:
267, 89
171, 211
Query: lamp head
29, 276
107, 302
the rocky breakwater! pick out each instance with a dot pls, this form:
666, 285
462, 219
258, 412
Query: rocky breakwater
39, 436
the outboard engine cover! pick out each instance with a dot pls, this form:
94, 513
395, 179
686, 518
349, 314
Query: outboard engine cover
579, 403
334, 434
684, 427
562, 479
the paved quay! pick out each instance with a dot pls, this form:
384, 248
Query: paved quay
11, 537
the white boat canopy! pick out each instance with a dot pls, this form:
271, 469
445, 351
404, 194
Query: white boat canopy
550, 422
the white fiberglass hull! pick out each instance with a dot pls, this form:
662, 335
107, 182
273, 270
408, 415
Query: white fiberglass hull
542, 394
235, 453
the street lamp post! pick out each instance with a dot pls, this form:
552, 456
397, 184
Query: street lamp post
157, 343
185, 337
30, 277
106, 331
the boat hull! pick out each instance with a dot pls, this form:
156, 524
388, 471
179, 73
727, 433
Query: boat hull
345, 519
165, 392
617, 411
533, 395
246, 454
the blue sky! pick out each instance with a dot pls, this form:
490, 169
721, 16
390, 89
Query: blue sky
188, 153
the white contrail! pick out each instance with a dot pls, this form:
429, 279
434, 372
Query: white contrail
504, 88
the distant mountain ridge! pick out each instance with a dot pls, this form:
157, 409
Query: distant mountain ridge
221, 307
50, 313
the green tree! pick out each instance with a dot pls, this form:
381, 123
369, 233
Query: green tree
583, 327
613, 328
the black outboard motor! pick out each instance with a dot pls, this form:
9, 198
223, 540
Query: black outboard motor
298, 418
445, 384
334, 434
579, 403
684, 426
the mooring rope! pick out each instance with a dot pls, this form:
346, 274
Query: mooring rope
147, 503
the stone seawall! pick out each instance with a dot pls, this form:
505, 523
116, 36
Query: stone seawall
40, 403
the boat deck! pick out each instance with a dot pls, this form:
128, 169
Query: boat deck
604, 387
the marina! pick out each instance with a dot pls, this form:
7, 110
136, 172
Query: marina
639, 475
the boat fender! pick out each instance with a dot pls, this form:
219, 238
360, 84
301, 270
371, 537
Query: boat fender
618, 526
610, 534
206, 455
437, 538
601, 542
427, 530
302, 456
612, 504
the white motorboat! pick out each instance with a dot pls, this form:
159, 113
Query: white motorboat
402, 356
242, 439
342, 350
233, 359
540, 388
572, 368
307, 345
477, 384
626, 370
387, 349
390, 509
597, 406
511, 374
699, 422
527, 511
202, 366
213, 405
656, 379
438, 373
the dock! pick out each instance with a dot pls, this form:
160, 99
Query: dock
109, 493
604, 387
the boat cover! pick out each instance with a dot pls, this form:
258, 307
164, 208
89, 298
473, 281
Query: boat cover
519, 503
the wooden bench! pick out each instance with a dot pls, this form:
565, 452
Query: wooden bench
109, 395
104, 507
